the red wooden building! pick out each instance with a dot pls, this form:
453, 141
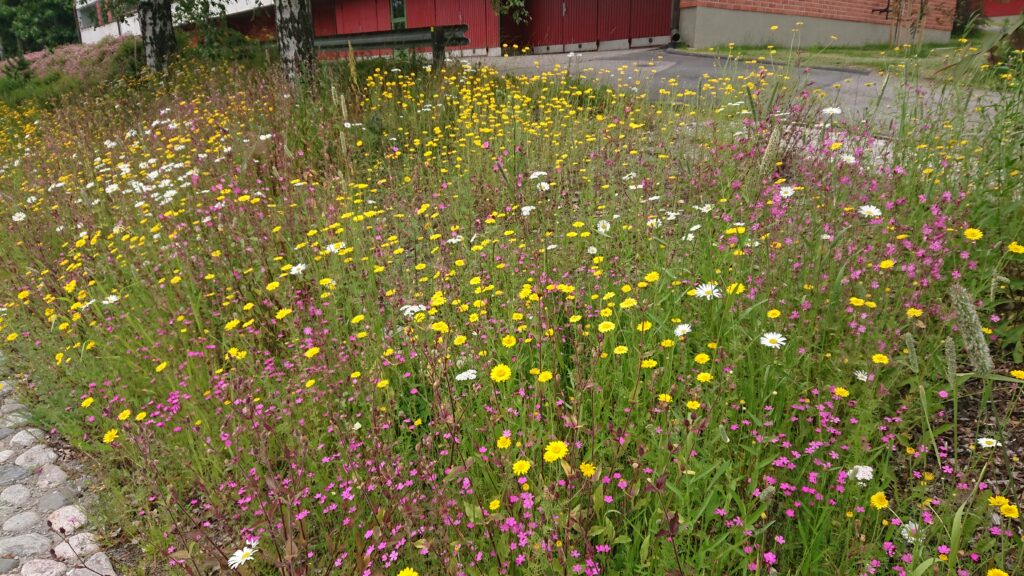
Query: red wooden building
555, 25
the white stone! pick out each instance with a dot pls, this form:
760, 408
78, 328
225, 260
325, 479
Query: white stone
25, 545
6, 455
23, 522
83, 545
36, 456
9, 407
98, 564
26, 438
13, 420
15, 495
68, 518
50, 476
43, 568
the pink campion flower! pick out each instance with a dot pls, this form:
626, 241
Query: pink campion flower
770, 559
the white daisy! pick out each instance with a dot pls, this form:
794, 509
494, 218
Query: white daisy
538, 174
112, 299
18, 216
591, 250
909, 530
773, 340
989, 442
454, 240
787, 191
682, 330
861, 375
297, 269
654, 223
543, 186
467, 375
848, 159
525, 210
410, 310
832, 111
241, 557
603, 226
869, 211
708, 291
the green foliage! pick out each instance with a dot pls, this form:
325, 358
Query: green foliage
29, 25
514, 8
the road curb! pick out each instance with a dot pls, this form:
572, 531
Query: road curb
857, 71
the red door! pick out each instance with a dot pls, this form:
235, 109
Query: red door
650, 22
613, 23
580, 25
545, 28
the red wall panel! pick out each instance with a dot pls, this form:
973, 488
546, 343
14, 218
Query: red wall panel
545, 25
997, 8
650, 18
324, 22
580, 22
613, 19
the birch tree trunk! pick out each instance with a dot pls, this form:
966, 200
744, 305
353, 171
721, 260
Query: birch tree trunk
295, 36
158, 39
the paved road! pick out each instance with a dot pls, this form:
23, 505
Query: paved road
859, 93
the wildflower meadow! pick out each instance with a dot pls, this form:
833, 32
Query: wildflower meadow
405, 322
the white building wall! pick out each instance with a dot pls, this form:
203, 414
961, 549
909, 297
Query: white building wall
92, 33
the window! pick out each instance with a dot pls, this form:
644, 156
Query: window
398, 14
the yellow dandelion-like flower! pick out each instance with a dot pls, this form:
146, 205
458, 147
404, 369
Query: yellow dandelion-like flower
504, 442
521, 467
311, 352
973, 234
587, 469
124, 415
879, 501
880, 359
555, 451
693, 405
665, 398
501, 373
110, 436
87, 402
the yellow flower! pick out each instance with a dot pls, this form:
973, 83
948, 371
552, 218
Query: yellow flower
283, 313
383, 383
705, 377
880, 359
886, 264
555, 451
914, 312
356, 319
501, 373
701, 358
12, 336
773, 313
1015, 247
440, 326
620, 349
140, 416
521, 467
973, 234
408, 572
544, 376
161, 366
272, 286
997, 501
87, 402
494, 505
587, 469
1018, 374
665, 398
879, 501
124, 415
508, 341
459, 340
996, 572
854, 301
643, 326
1009, 511
311, 352
627, 303
504, 442
841, 392
110, 436
652, 277
693, 405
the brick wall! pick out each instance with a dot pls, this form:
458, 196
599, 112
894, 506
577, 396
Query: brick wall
938, 13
